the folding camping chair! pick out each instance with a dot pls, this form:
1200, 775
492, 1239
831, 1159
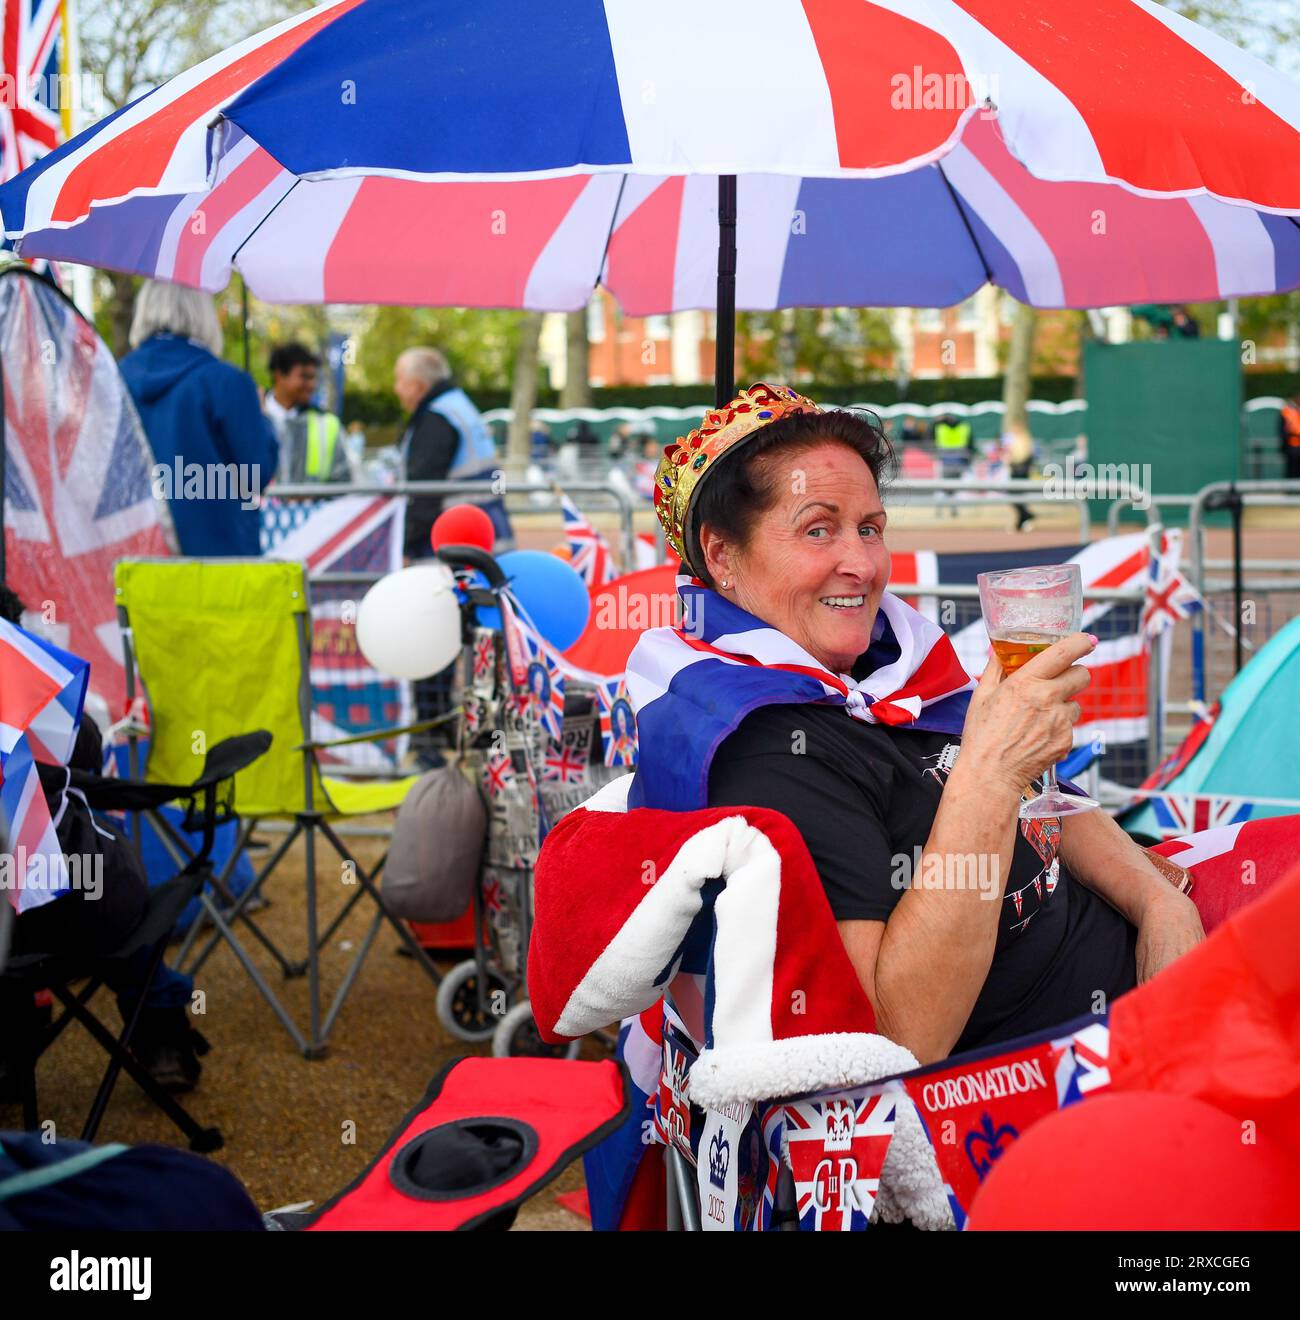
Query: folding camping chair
219, 645
35, 971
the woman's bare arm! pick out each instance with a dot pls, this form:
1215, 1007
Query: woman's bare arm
924, 968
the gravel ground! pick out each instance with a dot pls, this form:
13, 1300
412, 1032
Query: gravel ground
285, 1119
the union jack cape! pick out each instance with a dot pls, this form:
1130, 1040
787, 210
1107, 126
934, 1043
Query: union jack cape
691, 686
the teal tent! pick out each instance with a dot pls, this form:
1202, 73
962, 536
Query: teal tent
1251, 751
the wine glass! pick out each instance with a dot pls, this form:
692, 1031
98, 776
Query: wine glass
1025, 611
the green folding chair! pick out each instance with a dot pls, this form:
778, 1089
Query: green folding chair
223, 646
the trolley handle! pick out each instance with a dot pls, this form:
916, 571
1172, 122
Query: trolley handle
473, 556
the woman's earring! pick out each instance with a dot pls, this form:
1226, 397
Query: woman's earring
725, 584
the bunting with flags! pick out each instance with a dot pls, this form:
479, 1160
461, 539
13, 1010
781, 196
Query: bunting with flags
617, 723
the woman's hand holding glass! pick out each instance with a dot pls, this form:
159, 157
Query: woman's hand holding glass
1019, 724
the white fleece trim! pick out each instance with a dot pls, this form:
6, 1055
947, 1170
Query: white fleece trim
797, 1066
622, 981
611, 796
744, 947
911, 1186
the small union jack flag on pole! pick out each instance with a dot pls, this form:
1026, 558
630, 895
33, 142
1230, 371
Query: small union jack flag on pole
1169, 595
589, 551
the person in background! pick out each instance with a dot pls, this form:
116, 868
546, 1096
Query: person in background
1018, 447
310, 447
446, 439
1185, 326
954, 441
1288, 428
199, 414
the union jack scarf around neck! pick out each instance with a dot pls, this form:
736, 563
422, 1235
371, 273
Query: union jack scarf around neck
692, 685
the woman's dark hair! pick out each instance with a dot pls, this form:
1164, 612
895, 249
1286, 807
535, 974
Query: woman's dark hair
742, 488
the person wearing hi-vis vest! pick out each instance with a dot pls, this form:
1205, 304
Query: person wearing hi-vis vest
1288, 425
446, 439
311, 445
953, 441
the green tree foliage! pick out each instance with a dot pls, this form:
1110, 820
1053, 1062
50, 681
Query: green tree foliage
831, 345
479, 344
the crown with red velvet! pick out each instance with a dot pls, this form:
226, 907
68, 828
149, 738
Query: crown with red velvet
690, 458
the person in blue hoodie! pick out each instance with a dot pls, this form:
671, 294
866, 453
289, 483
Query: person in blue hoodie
214, 450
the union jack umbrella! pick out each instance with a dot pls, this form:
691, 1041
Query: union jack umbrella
1110, 152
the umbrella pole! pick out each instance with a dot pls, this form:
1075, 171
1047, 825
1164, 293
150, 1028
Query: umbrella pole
243, 308
724, 373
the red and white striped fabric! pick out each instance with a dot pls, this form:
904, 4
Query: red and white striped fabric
1116, 153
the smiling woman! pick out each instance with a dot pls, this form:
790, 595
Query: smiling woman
775, 508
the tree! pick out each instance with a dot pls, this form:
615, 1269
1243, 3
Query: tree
577, 350
480, 344
828, 345
1015, 383
523, 391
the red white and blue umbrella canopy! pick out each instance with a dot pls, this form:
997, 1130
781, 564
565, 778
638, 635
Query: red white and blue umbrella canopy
460, 152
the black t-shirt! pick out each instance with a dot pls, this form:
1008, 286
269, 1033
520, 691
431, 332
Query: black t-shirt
864, 798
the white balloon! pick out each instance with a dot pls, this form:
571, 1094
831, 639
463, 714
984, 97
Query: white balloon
408, 625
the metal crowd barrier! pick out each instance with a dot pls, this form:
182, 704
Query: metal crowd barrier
1235, 498
505, 489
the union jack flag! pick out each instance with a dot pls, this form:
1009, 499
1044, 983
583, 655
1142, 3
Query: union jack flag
41, 694
1188, 813
30, 123
837, 1148
563, 764
498, 772
1084, 1065
78, 492
589, 551
617, 723
1169, 595
485, 654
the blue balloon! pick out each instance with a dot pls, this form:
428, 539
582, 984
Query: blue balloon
552, 592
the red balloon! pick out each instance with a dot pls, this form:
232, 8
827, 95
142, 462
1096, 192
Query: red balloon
1140, 1160
463, 524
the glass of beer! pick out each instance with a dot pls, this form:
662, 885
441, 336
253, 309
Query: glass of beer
1025, 611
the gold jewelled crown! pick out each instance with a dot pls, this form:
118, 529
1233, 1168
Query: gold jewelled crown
690, 458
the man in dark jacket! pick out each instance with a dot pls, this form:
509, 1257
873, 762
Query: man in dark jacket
214, 451
445, 440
